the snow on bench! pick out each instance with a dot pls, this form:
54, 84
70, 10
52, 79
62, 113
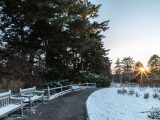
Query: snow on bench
31, 95
9, 104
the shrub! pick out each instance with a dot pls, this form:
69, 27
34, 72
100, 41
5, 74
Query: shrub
103, 83
158, 90
131, 92
12, 84
101, 80
137, 94
155, 95
121, 91
154, 114
146, 95
124, 91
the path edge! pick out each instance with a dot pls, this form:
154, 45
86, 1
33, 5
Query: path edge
87, 111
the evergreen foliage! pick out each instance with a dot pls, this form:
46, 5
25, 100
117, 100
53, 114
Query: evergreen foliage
52, 40
154, 65
118, 67
127, 65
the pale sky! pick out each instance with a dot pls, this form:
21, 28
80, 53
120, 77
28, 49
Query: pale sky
134, 28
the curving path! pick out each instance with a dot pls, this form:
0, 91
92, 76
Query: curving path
70, 106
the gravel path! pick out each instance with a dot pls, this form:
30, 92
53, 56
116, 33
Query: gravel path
70, 106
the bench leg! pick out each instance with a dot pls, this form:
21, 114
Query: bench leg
30, 105
43, 100
22, 111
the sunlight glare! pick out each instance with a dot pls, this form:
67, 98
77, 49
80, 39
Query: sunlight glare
142, 69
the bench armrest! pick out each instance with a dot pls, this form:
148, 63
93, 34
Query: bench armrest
37, 91
29, 96
17, 100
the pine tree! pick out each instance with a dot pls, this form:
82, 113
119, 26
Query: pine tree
154, 65
55, 39
118, 67
127, 68
127, 65
118, 71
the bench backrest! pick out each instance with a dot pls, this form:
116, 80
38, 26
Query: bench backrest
28, 90
5, 99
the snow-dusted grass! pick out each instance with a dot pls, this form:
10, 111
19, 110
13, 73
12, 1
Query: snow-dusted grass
108, 104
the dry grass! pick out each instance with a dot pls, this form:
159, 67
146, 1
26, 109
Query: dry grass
14, 85
152, 83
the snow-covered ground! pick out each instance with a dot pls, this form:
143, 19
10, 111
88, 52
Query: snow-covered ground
107, 104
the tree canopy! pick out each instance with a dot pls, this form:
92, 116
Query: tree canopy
52, 39
127, 65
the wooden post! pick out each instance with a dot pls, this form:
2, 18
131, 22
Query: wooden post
79, 84
21, 108
71, 87
30, 103
42, 97
48, 90
61, 88
9, 96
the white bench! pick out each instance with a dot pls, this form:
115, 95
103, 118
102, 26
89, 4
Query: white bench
9, 104
31, 95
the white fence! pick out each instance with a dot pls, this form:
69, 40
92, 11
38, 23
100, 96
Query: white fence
9, 104
57, 91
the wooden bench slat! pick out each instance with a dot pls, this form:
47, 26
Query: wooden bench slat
31, 95
7, 106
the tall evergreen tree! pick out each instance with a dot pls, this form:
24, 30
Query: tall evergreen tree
127, 68
154, 65
118, 67
54, 38
127, 65
118, 71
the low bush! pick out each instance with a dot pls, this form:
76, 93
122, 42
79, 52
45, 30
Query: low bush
155, 95
13, 85
103, 83
154, 114
119, 91
137, 94
122, 91
131, 92
157, 90
146, 95
101, 80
